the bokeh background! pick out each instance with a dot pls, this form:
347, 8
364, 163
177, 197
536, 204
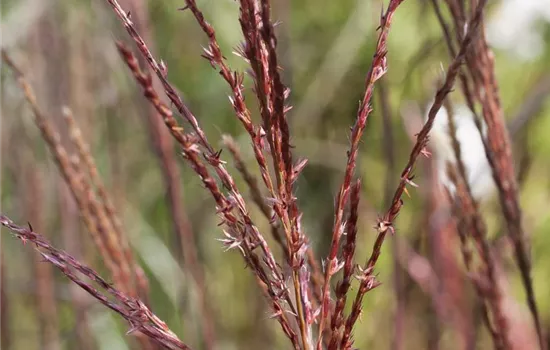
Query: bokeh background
66, 49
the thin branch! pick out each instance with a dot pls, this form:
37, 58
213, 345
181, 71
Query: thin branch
377, 70
385, 224
255, 191
487, 284
348, 252
131, 309
480, 63
94, 218
239, 233
106, 202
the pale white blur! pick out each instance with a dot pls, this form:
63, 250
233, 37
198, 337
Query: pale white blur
479, 174
515, 26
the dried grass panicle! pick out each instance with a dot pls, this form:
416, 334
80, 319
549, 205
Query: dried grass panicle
267, 210
485, 281
106, 204
385, 224
471, 226
271, 99
348, 255
131, 309
235, 80
466, 213
190, 143
377, 70
95, 218
239, 231
499, 153
259, 50
479, 85
255, 191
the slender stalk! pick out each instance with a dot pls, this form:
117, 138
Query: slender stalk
483, 87
343, 287
486, 285
133, 310
377, 70
103, 241
385, 224
240, 231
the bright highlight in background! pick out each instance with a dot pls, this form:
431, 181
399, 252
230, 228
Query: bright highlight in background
478, 170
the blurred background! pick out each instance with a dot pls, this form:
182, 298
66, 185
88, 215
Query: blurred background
67, 52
